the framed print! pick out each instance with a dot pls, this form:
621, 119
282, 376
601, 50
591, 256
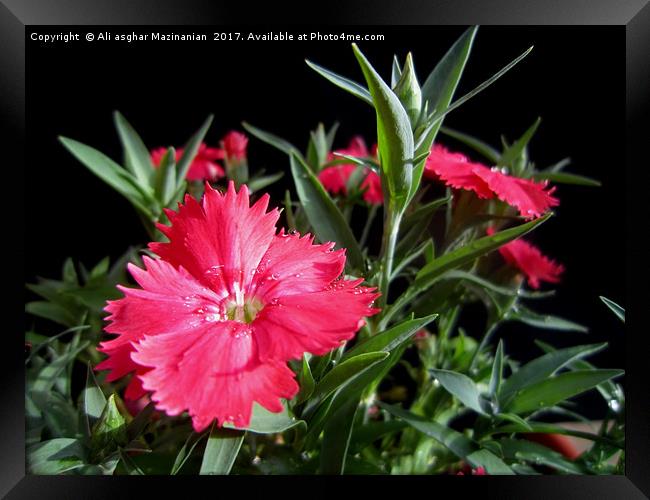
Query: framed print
383, 245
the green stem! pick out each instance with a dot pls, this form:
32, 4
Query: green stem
391, 231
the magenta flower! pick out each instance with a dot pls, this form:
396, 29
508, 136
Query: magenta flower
227, 304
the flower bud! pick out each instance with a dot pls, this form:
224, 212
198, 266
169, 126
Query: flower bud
408, 91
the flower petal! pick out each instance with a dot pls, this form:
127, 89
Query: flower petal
215, 372
220, 242
530, 197
313, 322
294, 265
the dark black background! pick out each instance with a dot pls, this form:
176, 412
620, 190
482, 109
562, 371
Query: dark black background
573, 79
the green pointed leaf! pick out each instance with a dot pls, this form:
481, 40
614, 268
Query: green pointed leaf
438, 115
462, 387
454, 441
366, 434
546, 428
264, 421
336, 438
515, 150
137, 155
55, 456
112, 174
471, 251
439, 87
93, 401
389, 339
306, 382
520, 449
260, 183
476, 144
510, 292
497, 371
165, 178
566, 178
323, 214
184, 454
546, 321
190, 149
552, 391
340, 81
615, 308
273, 140
544, 367
340, 374
221, 451
394, 136
492, 464
611, 392
139, 423
53, 312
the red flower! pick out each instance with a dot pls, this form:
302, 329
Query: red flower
530, 261
224, 308
529, 197
203, 167
335, 178
234, 145
479, 471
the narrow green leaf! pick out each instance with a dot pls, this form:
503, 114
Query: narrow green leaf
546, 428
340, 374
366, 434
566, 178
520, 449
439, 87
53, 312
611, 392
515, 150
165, 178
546, 321
454, 441
510, 292
273, 140
492, 464
438, 115
552, 391
472, 250
184, 454
336, 438
615, 308
340, 81
221, 451
306, 382
112, 174
55, 456
462, 387
323, 214
137, 154
260, 183
544, 367
389, 339
497, 371
190, 149
264, 421
93, 401
476, 144
139, 423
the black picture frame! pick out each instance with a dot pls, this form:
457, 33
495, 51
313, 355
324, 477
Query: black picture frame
631, 15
